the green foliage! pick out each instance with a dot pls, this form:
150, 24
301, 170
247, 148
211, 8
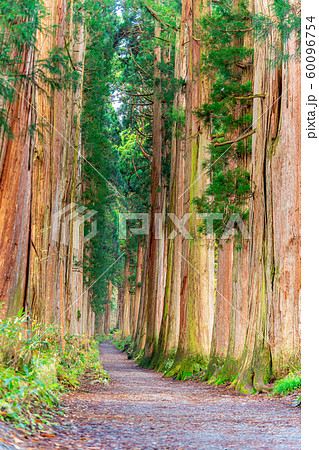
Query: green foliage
135, 181
100, 130
288, 384
125, 345
221, 370
165, 366
231, 188
228, 60
103, 338
34, 370
282, 24
117, 138
188, 368
20, 21
228, 113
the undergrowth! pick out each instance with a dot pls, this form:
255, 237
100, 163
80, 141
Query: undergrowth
35, 370
188, 369
125, 345
103, 338
167, 364
290, 383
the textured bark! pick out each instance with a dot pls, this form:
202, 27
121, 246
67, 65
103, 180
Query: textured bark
119, 323
155, 262
223, 301
15, 199
162, 267
239, 311
38, 180
140, 337
169, 333
197, 279
114, 308
273, 337
107, 327
138, 287
126, 329
231, 304
103, 321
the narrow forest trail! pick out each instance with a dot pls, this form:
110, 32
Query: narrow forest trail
141, 410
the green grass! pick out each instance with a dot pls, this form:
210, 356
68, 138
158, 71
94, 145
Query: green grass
288, 384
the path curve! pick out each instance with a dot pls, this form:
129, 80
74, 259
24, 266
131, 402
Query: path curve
141, 410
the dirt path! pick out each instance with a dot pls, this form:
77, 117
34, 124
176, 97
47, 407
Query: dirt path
141, 410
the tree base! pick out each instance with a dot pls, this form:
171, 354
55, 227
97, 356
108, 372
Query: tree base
186, 369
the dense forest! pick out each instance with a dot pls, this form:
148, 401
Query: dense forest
150, 181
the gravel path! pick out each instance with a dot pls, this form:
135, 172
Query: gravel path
141, 410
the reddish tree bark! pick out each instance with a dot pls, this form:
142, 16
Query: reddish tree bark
273, 336
157, 202
197, 276
40, 176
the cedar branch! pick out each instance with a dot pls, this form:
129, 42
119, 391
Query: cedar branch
250, 133
249, 97
135, 168
153, 14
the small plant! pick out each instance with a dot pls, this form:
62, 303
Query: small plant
125, 345
167, 365
290, 383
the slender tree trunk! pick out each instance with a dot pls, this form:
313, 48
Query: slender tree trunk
107, 326
126, 329
138, 286
152, 310
169, 333
140, 337
119, 324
